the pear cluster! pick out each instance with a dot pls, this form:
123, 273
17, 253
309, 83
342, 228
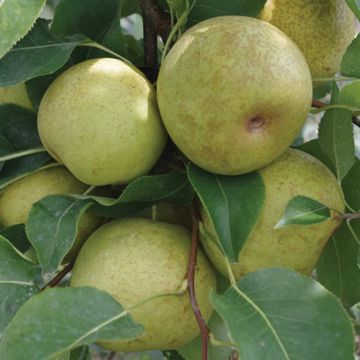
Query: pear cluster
232, 94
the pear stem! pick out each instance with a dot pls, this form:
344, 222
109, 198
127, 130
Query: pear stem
204, 331
350, 216
59, 276
319, 104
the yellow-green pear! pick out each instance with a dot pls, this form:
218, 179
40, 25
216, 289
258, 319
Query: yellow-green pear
233, 93
135, 259
100, 119
297, 247
322, 29
17, 199
17, 95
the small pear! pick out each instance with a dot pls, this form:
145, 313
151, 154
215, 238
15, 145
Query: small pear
17, 95
233, 93
297, 247
17, 199
134, 259
322, 29
100, 119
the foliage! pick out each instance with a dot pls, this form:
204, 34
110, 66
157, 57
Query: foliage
271, 313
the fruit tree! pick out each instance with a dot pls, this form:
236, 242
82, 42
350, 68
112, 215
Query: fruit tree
179, 179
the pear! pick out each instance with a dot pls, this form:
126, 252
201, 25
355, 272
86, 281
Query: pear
297, 247
134, 259
17, 199
100, 119
17, 95
322, 29
233, 93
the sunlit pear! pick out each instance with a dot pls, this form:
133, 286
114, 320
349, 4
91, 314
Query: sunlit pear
233, 93
17, 95
17, 199
134, 259
100, 119
297, 247
322, 29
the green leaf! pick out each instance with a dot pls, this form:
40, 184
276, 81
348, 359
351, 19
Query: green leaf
39, 53
350, 65
205, 9
17, 18
16, 236
350, 94
17, 129
17, 281
18, 168
81, 353
219, 330
354, 5
123, 44
336, 136
144, 192
87, 17
280, 314
61, 319
302, 210
233, 204
52, 228
351, 187
338, 269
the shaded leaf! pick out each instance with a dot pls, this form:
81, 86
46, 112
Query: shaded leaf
17, 18
52, 228
50, 323
18, 168
351, 187
338, 268
354, 5
350, 65
144, 192
205, 9
81, 353
17, 281
302, 210
87, 17
280, 314
39, 53
336, 136
233, 204
217, 327
16, 235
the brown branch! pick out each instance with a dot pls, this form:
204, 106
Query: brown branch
349, 216
204, 331
59, 276
111, 355
234, 355
319, 104
156, 22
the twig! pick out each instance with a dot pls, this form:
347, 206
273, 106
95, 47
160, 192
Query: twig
59, 276
156, 22
349, 216
204, 331
111, 355
234, 355
319, 104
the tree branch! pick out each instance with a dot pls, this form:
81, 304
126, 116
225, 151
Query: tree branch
319, 104
156, 22
59, 276
204, 331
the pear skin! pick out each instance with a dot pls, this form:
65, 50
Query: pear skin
296, 247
